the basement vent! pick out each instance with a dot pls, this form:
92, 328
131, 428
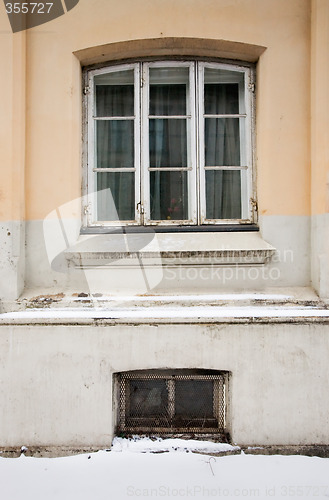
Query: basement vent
172, 402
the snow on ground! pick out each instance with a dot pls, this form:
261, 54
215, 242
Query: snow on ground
124, 473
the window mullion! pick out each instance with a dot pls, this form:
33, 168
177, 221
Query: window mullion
145, 182
202, 187
197, 143
137, 128
246, 191
90, 207
192, 146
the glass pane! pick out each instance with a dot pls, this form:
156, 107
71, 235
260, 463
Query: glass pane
166, 100
221, 98
168, 143
168, 91
115, 94
223, 194
222, 91
116, 196
148, 398
168, 193
194, 398
115, 144
222, 142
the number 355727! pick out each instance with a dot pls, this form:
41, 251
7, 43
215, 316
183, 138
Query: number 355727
28, 7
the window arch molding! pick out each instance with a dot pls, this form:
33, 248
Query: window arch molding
169, 47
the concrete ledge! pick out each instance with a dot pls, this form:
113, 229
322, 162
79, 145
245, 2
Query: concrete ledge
184, 315
312, 450
154, 249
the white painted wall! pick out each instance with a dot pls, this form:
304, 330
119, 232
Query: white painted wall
12, 259
56, 381
319, 255
289, 267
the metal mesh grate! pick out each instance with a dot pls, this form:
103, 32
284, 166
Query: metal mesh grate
152, 402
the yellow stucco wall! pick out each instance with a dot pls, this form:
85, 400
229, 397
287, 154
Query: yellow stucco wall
320, 106
53, 89
12, 124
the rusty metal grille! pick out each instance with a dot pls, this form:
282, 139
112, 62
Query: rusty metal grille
176, 403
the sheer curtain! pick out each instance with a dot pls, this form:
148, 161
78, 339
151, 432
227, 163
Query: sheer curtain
222, 148
115, 149
169, 144
168, 149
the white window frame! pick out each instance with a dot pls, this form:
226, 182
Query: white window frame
91, 208
191, 151
245, 143
196, 172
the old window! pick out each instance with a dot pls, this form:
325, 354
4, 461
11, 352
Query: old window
169, 143
172, 401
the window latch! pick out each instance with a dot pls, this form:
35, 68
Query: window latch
86, 209
140, 208
254, 205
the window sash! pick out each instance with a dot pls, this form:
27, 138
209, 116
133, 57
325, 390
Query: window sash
93, 171
245, 163
190, 170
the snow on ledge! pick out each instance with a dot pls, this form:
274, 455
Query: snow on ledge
146, 445
188, 312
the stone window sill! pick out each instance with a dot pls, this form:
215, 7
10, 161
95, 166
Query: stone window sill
153, 249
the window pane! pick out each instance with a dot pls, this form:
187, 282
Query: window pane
222, 142
166, 100
223, 194
115, 144
194, 398
221, 98
148, 398
222, 91
115, 94
116, 196
168, 143
168, 91
168, 194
